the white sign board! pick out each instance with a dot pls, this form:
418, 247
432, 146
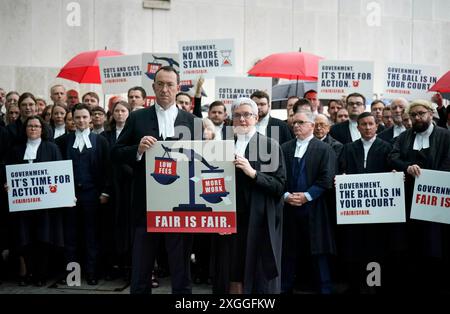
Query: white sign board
338, 77
120, 73
229, 88
410, 81
370, 198
40, 185
208, 58
191, 187
431, 197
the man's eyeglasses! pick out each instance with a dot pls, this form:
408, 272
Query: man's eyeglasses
421, 114
245, 115
300, 122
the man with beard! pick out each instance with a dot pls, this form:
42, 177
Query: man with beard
347, 132
267, 125
424, 146
398, 107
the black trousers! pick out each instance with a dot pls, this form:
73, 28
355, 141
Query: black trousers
145, 246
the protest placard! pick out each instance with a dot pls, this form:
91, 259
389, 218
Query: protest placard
229, 88
40, 185
191, 187
431, 198
208, 58
410, 81
338, 78
120, 73
370, 198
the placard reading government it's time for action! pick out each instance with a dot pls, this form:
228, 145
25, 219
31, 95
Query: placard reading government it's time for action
338, 78
40, 185
370, 198
207, 58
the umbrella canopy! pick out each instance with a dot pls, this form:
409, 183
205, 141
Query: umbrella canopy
83, 68
289, 65
442, 85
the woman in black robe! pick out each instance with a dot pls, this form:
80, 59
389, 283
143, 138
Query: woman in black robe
37, 230
250, 260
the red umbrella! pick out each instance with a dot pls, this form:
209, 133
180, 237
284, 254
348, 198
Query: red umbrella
290, 65
83, 68
442, 85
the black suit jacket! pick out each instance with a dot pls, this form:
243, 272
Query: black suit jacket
351, 160
341, 132
320, 170
335, 145
140, 123
387, 135
284, 133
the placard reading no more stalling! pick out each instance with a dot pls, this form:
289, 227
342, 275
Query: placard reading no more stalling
40, 185
370, 198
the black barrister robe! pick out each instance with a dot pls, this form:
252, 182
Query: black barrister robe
320, 170
120, 199
341, 132
424, 238
281, 130
253, 255
361, 241
44, 225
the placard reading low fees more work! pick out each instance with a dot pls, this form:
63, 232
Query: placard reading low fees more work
191, 187
410, 81
208, 58
338, 78
370, 198
229, 88
40, 185
120, 73
431, 198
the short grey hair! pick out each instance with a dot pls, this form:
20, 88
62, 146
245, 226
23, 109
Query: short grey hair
309, 115
245, 101
321, 115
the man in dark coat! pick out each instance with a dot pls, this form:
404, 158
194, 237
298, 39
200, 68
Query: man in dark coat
267, 125
398, 107
307, 230
321, 131
89, 153
424, 146
144, 127
250, 261
363, 243
347, 132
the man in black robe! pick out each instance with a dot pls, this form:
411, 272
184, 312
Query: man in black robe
307, 229
361, 244
424, 146
163, 121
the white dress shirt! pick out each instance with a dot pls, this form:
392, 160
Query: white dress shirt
59, 130
422, 140
261, 126
82, 139
218, 132
367, 145
166, 120
354, 132
242, 141
118, 131
302, 146
398, 129
31, 150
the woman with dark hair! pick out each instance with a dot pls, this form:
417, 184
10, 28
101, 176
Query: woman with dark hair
47, 113
116, 227
35, 230
57, 121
